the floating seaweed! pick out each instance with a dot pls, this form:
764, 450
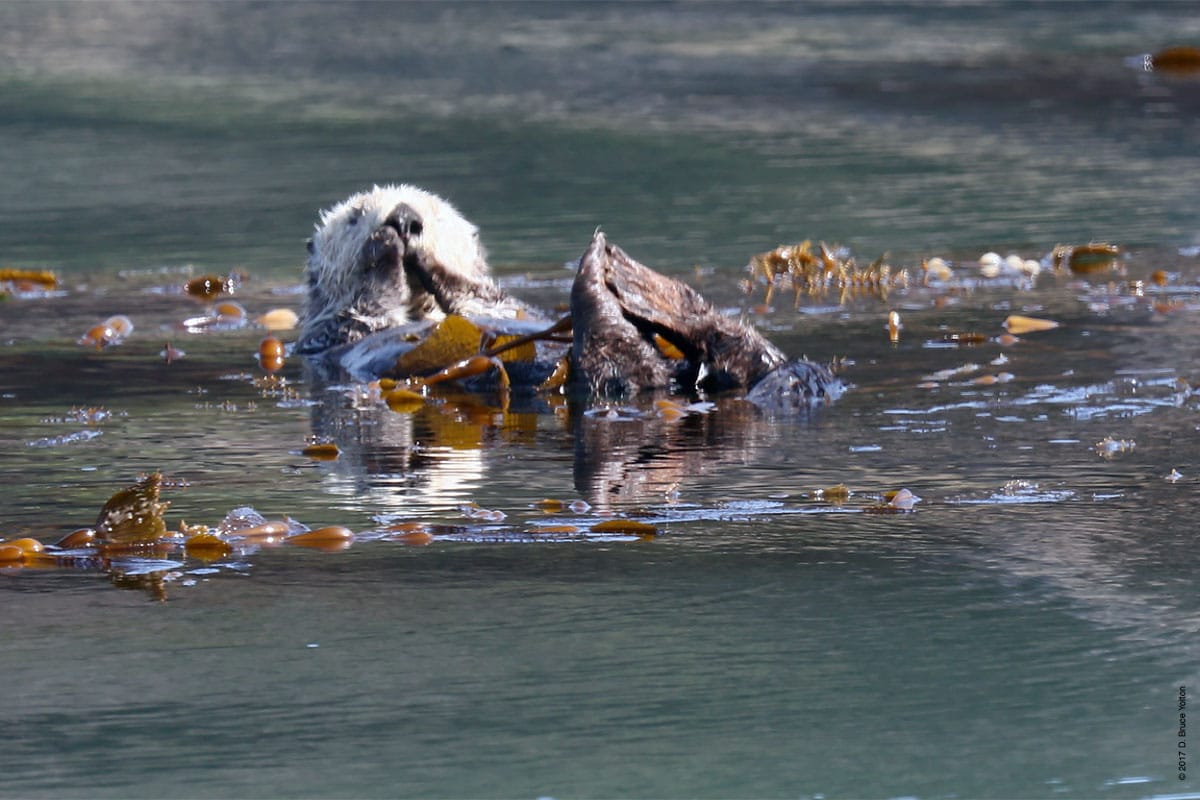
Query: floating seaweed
631, 526
936, 269
17, 551
121, 324
894, 325
98, 336
111, 331
474, 511
80, 537
818, 273
207, 546
558, 378
230, 312
321, 451
329, 539
209, 287
412, 533
132, 545
672, 410
278, 319
403, 400
271, 353
838, 493
133, 516
1086, 258
26, 282
453, 339
11, 555
457, 349
224, 316
966, 338
899, 501
1179, 60
1017, 324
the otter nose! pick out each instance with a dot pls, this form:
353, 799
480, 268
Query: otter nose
405, 220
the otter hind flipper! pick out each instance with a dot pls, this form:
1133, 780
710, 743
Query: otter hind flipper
619, 305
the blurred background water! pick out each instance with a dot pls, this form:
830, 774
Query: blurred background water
1025, 633
691, 131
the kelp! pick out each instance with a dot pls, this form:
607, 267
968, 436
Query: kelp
133, 516
821, 272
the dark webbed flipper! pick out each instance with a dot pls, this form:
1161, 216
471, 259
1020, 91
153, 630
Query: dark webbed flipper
619, 307
610, 355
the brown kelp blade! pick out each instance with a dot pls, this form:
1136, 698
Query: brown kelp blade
454, 339
133, 515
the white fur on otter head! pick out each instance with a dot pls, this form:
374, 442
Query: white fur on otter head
378, 259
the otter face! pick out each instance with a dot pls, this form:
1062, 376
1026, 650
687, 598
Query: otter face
370, 261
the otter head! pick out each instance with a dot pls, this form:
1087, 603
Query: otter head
370, 262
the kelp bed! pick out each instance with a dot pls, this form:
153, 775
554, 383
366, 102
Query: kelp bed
135, 544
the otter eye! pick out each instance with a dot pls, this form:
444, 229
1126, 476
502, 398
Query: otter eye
308, 244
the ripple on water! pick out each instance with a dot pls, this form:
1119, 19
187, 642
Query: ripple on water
66, 438
1017, 492
1112, 399
144, 566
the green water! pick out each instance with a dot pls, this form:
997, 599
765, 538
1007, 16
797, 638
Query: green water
1024, 633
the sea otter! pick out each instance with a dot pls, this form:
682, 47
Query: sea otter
386, 262
390, 256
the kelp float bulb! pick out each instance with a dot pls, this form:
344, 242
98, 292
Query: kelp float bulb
81, 537
270, 354
329, 539
98, 336
120, 324
16, 551
207, 287
230, 313
278, 319
112, 331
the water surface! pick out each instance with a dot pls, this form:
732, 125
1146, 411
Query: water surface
1023, 633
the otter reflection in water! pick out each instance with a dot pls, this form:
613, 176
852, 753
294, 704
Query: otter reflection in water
396, 256
460, 446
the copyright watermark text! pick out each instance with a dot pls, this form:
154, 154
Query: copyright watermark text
1181, 734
